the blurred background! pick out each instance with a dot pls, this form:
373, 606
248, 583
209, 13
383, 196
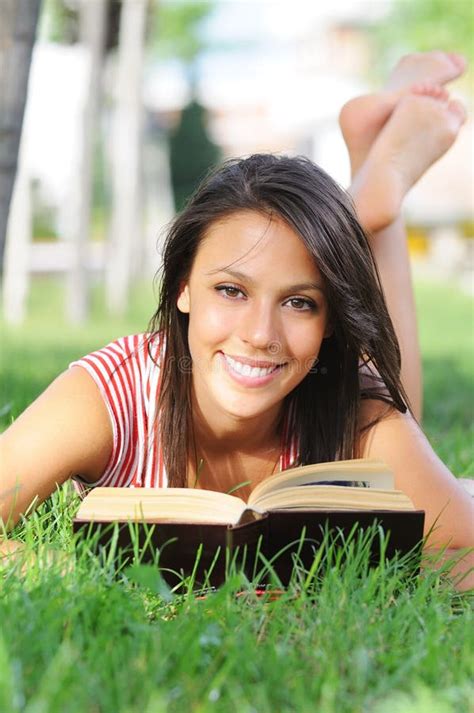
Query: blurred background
130, 102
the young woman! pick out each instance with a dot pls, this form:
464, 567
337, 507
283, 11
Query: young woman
272, 344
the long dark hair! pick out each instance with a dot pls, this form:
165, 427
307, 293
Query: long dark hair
325, 405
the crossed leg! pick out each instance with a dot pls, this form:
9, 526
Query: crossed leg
393, 137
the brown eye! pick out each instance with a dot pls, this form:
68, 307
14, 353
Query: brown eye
229, 291
302, 305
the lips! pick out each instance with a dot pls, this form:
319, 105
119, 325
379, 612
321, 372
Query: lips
249, 375
247, 370
254, 362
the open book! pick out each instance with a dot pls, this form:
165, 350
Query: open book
337, 494
368, 485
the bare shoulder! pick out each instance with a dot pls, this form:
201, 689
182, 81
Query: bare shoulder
65, 431
398, 440
71, 398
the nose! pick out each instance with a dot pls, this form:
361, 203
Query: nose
260, 326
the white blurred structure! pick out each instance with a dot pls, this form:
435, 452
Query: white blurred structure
282, 92
92, 32
50, 153
126, 226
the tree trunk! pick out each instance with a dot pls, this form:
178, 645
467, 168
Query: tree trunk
15, 285
92, 24
18, 23
126, 229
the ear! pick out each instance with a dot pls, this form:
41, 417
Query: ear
183, 301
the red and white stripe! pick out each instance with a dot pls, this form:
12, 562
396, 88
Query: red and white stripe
129, 380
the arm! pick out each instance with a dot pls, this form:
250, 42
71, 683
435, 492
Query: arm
398, 441
66, 431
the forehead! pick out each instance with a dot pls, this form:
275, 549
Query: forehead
255, 241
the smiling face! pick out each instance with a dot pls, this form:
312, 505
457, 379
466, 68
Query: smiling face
257, 317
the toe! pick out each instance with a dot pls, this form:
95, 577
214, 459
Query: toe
456, 107
458, 60
435, 91
440, 93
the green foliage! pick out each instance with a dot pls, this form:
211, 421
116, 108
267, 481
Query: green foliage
173, 28
422, 25
176, 29
59, 22
446, 326
192, 152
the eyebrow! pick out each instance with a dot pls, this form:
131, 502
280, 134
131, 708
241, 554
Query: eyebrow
246, 278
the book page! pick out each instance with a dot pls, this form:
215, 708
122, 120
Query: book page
364, 472
177, 505
333, 497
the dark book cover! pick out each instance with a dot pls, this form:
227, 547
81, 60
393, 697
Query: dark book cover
280, 537
294, 536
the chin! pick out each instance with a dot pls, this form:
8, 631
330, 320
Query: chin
244, 410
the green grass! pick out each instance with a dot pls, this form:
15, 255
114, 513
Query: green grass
78, 635
446, 319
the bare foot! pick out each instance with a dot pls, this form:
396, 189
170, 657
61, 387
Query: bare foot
362, 118
438, 67
421, 128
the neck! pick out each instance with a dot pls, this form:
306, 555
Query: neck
224, 436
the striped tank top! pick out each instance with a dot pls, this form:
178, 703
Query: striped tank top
127, 374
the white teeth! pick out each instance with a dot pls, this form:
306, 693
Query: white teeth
247, 370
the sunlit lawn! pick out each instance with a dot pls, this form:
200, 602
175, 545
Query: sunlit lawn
83, 638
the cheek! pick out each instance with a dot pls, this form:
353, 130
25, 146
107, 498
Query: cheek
304, 341
219, 321
207, 324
